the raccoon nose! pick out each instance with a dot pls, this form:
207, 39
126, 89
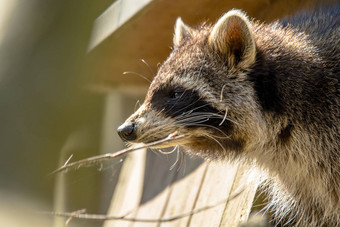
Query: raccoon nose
127, 131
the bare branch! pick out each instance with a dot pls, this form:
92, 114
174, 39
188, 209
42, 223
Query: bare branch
99, 158
75, 212
102, 217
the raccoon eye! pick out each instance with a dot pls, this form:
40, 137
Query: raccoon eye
176, 95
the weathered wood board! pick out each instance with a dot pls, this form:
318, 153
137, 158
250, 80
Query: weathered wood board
195, 184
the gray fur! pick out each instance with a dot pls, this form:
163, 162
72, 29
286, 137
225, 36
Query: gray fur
279, 107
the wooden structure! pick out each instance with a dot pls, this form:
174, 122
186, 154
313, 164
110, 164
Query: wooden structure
155, 192
131, 30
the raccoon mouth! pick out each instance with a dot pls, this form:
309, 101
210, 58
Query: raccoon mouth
189, 137
174, 139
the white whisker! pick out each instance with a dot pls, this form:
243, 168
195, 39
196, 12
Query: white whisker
225, 116
150, 69
177, 159
181, 160
187, 106
167, 152
138, 74
137, 103
212, 137
221, 96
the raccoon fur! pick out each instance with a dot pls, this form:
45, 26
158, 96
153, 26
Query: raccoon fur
268, 94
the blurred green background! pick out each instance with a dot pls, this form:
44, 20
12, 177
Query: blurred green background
47, 108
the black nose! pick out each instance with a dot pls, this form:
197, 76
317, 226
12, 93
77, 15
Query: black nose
127, 131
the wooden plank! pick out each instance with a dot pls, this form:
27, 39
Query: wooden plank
157, 187
171, 193
185, 191
216, 187
116, 15
111, 142
237, 210
153, 209
128, 190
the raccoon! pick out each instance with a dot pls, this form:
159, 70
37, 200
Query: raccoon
267, 94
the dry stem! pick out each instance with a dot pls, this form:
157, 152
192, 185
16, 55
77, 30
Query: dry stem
102, 217
99, 158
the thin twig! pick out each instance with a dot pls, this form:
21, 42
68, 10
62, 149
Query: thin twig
99, 158
102, 217
68, 160
75, 212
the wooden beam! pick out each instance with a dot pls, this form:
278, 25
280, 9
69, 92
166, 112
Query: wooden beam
114, 17
147, 34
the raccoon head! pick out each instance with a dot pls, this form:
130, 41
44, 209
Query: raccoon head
202, 91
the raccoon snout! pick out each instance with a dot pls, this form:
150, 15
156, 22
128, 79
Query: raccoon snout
127, 131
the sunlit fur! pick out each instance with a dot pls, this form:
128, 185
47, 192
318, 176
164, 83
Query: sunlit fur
270, 95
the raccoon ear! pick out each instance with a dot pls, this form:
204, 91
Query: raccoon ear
182, 31
233, 38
